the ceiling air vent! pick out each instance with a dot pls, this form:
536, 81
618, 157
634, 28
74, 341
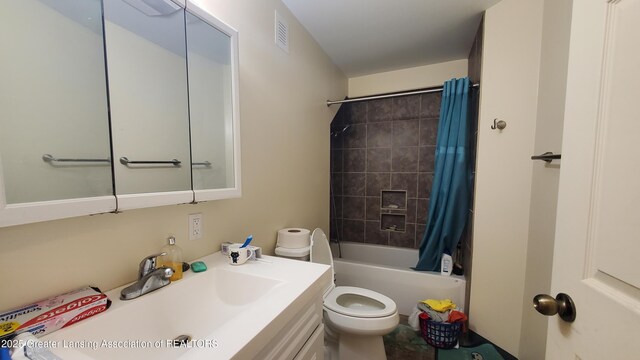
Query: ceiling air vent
282, 33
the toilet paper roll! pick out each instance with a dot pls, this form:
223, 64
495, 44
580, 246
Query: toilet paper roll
294, 238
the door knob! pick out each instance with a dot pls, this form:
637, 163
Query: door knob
562, 305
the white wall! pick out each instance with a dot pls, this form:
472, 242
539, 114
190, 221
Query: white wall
510, 69
285, 174
544, 187
418, 77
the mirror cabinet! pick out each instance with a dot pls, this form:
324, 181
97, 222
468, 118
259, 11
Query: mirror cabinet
114, 105
213, 102
146, 60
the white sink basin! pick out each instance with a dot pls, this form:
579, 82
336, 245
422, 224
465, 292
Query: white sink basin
222, 309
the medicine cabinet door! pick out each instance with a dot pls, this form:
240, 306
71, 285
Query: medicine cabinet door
212, 57
146, 63
55, 155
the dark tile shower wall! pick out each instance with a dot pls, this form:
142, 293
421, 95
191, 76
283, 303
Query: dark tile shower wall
389, 149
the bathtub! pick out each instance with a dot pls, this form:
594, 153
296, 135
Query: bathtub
386, 269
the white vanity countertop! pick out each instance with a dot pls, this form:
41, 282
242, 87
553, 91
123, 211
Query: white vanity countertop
226, 310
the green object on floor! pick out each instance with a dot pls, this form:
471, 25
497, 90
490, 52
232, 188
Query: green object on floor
481, 352
405, 343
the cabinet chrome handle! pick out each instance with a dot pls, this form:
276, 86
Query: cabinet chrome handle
203, 163
126, 162
50, 158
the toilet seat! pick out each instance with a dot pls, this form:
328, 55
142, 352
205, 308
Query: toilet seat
348, 300
355, 318
359, 302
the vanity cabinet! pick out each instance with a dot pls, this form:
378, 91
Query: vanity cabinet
140, 113
300, 339
313, 349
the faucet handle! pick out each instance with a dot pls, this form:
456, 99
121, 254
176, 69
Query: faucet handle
148, 264
167, 272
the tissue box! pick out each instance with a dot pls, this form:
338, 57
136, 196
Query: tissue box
51, 314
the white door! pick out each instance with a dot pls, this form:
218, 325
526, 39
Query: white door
597, 250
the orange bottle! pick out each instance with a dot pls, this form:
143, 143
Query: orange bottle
172, 259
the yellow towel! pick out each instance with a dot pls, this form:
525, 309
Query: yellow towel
440, 305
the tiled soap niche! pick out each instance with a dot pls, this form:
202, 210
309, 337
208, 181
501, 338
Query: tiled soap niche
393, 210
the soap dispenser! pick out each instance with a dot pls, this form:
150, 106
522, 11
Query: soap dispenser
172, 259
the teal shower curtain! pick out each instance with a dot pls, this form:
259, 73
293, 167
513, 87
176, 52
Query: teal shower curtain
452, 178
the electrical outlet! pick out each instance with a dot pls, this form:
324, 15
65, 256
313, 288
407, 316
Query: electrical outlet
195, 226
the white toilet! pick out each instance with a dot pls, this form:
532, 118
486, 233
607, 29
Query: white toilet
355, 319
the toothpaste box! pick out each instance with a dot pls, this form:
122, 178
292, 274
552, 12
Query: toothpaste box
55, 313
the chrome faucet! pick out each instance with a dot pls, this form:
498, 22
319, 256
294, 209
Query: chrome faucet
150, 278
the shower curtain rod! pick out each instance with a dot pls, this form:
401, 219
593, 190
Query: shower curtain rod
374, 97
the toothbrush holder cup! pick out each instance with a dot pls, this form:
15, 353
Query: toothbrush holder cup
239, 256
